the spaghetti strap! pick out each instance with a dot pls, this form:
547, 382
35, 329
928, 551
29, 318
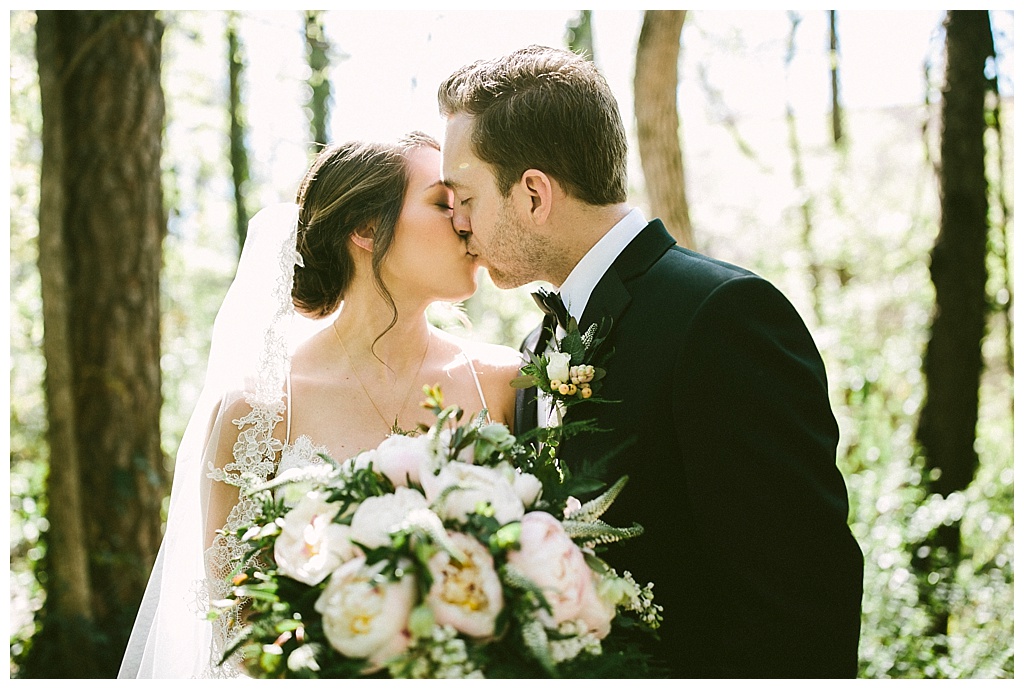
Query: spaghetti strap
288, 408
476, 380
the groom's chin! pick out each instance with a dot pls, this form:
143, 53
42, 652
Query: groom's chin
503, 280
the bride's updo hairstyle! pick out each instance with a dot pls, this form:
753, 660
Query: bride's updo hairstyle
351, 187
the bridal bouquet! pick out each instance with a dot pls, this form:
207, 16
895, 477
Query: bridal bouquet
458, 552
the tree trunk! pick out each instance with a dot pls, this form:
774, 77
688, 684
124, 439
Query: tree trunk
814, 269
238, 154
953, 359
833, 54
318, 53
655, 83
102, 224
68, 590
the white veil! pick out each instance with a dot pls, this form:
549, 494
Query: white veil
254, 334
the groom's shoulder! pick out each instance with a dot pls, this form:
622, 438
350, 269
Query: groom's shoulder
688, 274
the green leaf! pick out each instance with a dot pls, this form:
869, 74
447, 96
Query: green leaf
522, 382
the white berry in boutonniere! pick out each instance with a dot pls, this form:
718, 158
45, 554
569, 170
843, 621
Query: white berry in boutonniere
572, 372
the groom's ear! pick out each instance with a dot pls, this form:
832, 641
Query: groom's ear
363, 237
539, 191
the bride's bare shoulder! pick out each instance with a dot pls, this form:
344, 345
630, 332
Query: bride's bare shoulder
489, 360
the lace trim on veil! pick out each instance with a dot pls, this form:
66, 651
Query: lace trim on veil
256, 454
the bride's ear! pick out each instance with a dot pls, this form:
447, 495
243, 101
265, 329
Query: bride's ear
363, 237
538, 190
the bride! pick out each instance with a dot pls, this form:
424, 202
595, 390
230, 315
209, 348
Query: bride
322, 345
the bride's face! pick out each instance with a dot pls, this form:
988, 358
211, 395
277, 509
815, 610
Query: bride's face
427, 256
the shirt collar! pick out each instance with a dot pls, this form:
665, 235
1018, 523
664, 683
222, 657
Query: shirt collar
580, 284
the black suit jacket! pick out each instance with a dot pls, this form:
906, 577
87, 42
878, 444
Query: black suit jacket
732, 471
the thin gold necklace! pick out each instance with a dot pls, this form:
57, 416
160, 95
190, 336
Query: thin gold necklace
393, 427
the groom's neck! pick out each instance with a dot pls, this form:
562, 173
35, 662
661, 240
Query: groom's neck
579, 226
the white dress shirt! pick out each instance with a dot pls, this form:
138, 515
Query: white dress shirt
580, 284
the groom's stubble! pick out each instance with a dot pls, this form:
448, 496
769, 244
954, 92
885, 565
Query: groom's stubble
515, 254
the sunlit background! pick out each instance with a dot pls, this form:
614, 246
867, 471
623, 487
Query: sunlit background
874, 217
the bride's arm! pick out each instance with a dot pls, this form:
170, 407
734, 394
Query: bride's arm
222, 495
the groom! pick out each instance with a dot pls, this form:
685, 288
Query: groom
721, 409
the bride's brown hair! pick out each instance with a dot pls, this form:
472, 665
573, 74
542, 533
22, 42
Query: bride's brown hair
351, 187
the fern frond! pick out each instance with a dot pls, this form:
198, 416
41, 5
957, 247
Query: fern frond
593, 509
597, 532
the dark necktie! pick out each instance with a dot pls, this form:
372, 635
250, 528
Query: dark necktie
552, 306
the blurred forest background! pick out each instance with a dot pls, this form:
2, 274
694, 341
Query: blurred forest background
887, 221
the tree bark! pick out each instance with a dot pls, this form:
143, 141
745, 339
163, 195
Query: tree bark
953, 358
655, 83
67, 555
102, 222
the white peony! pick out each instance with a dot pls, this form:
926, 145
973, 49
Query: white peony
465, 595
458, 488
365, 615
376, 517
399, 458
310, 545
558, 366
360, 461
527, 487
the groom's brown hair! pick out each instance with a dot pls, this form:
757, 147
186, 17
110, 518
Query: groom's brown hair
546, 109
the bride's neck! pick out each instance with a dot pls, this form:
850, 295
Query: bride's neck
365, 316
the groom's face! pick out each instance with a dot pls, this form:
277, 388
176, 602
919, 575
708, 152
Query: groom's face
489, 222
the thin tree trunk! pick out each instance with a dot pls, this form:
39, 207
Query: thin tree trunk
1002, 247
833, 54
238, 154
953, 359
103, 117
655, 84
800, 183
318, 53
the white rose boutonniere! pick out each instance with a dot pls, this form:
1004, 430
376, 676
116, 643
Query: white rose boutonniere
573, 371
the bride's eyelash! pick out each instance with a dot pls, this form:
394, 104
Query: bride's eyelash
445, 206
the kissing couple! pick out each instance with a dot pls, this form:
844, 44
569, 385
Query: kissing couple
719, 409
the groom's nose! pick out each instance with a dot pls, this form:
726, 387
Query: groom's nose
460, 222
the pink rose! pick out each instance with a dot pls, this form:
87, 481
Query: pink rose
549, 558
466, 596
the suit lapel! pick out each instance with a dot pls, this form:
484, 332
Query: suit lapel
611, 296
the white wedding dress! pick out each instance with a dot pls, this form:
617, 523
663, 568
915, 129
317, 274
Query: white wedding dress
255, 333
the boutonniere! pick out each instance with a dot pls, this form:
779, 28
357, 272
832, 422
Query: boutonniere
572, 372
